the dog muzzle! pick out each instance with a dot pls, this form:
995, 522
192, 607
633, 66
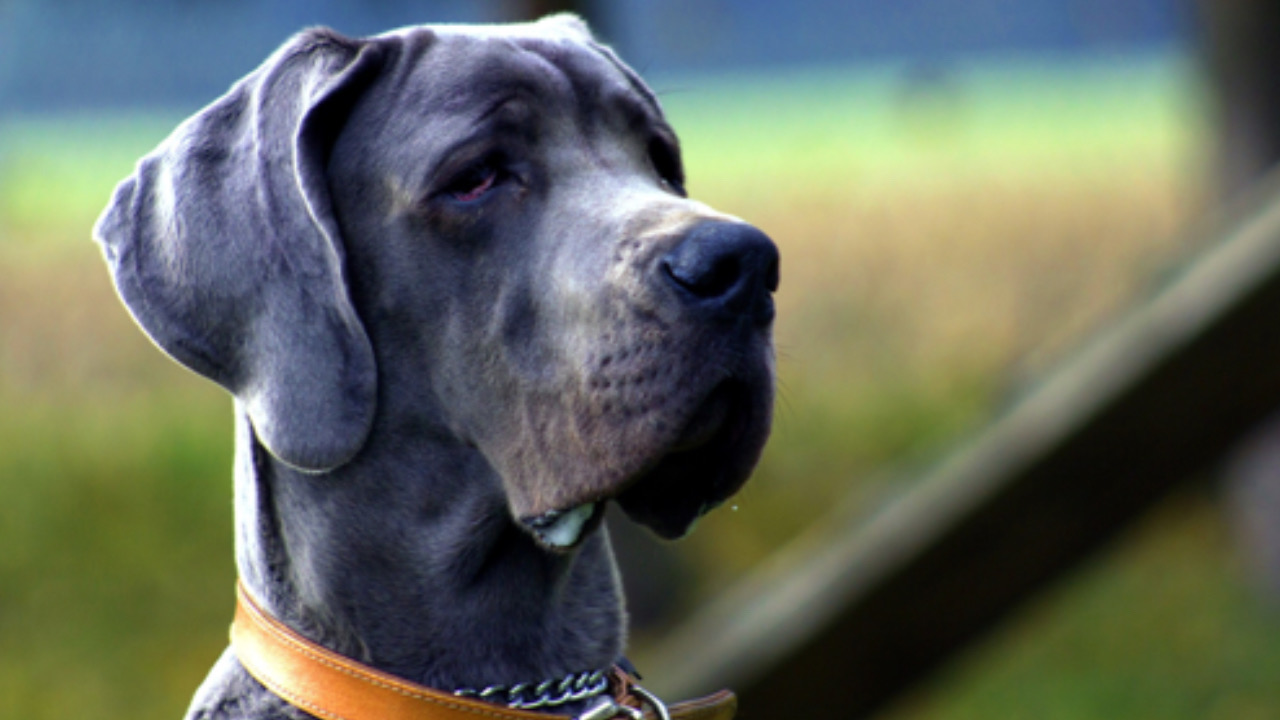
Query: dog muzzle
319, 681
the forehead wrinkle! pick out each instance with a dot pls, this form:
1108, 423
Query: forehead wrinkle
495, 80
637, 84
597, 80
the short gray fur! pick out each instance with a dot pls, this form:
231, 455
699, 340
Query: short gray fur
420, 374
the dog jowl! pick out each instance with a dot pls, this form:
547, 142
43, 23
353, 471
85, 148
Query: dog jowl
453, 281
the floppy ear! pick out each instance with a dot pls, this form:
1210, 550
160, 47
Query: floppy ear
224, 246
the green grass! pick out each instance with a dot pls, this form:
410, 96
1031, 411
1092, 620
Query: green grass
938, 238
1166, 627
116, 568
58, 172
115, 513
900, 129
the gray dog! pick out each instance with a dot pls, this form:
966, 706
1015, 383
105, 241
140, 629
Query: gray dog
452, 279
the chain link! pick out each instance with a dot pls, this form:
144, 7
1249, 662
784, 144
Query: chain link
548, 693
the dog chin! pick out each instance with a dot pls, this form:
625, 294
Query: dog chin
701, 468
690, 482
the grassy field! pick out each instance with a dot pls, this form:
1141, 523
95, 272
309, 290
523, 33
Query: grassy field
944, 237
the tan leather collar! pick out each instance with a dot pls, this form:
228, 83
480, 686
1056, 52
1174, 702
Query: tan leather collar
334, 687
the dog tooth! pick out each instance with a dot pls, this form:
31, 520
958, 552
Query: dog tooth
566, 529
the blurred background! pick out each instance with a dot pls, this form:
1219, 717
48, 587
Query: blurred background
963, 192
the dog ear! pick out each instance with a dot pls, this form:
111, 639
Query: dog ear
224, 246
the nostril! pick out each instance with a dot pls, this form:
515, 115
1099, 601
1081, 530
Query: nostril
706, 280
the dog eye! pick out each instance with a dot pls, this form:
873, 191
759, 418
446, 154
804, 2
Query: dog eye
666, 162
475, 182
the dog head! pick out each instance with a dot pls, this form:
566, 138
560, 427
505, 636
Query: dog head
481, 233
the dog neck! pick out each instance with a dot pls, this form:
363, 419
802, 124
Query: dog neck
424, 576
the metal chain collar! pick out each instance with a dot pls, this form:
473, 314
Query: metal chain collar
546, 694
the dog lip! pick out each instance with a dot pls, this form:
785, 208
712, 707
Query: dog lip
564, 529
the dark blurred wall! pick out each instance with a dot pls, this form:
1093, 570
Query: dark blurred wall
81, 54
674, 35
84, 54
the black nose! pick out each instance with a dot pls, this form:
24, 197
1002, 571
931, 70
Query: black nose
729, 269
